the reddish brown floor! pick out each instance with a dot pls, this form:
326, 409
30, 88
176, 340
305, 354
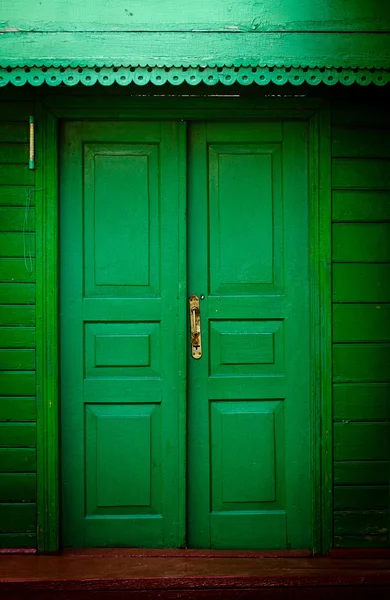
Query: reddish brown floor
201, 575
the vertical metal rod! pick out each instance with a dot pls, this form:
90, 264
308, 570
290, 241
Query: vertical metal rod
31, 163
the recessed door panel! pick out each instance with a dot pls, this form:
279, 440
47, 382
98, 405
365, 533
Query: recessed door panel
243, 196
239, 347
246, 463
121, 219
121, 482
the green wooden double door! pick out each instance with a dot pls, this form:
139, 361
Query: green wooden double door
159, 449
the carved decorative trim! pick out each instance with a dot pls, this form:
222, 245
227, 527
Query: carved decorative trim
88, 76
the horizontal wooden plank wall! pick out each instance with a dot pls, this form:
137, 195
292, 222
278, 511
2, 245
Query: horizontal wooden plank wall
361, 324
186, 15
17, 332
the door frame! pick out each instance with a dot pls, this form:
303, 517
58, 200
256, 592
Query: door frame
50, 109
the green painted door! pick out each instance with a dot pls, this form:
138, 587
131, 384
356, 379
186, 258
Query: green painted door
122, 334
128, 424
248, 396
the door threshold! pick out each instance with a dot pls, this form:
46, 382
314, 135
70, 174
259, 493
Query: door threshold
167, 577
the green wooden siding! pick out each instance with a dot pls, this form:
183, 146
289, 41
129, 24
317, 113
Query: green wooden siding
361, 325
17, 333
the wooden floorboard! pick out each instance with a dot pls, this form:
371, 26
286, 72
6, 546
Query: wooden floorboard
119, 574
211, 594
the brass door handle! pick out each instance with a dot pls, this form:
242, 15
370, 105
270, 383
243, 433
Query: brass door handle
196, 336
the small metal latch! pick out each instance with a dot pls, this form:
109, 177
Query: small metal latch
31, 162
196, 336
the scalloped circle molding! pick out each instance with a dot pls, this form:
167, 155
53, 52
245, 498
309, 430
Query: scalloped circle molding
124, 76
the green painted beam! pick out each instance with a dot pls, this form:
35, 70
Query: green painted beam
17, 518
17, 337
18, 435
192, 15
361, 523
361, 363
361, 472
17, 269
17, 360
361, 441
361, 497
17, 409
361, 401
361, 173
363, 50
18, 540
15, 218
361, 322
360, 142
13, 153
16, 195
15, 245
360, 114
17, 383
18, 460
17, 314
362, 242
17, 293
361, 282
16, 175
18, 487
14, 131
360, 205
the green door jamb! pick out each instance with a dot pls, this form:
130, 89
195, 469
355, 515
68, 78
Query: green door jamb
47, 330
321, 291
